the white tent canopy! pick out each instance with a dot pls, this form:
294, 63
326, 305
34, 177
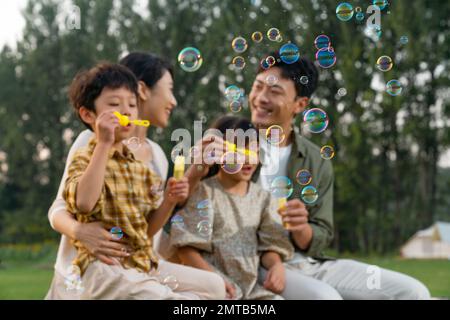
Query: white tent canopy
431, 243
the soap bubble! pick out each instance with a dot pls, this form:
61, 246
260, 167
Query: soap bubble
134, 143
275, 135
289, 53
281, 187
171, 281
303, 177
326, 57
235, 106
273, 34
271, 80
327, 152
344, 11
257, 36
394, 88
309, 194
385, 63
232, 162
233, 93
404, 40
177, 221
203, 207
238, 62
72, 279
116, 233
380, 3
359, 16
342, 92
316, 120
373, 31
190, 59
204, 228
239, 45
271, 61
304, 80
322, 41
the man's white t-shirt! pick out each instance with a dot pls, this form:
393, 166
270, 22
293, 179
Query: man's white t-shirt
274, 163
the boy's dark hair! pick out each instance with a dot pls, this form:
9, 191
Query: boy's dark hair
147, 67
87, 85
223, 124
294, 71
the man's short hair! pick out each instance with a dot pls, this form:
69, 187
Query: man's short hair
302, 67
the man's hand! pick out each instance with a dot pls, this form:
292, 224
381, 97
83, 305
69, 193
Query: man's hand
177, 191
106, 125
295, 215
206, 152
276, 278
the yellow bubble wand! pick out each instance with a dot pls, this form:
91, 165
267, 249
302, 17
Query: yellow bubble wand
124, 120
282, 205
234, 148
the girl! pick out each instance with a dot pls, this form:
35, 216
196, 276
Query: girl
229, 223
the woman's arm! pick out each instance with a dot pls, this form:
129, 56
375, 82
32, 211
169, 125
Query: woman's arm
92, 235
61, 220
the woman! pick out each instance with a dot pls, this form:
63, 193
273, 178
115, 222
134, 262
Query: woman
156, 104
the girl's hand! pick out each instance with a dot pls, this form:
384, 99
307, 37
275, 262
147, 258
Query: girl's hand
99, 242
276, 279
177, 191
230, 290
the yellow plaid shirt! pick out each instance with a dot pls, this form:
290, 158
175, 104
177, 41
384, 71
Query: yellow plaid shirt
126, 201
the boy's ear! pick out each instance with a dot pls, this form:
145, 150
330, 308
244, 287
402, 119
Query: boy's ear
143, 91
87, 116
300, 104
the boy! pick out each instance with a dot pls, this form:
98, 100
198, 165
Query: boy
105, 183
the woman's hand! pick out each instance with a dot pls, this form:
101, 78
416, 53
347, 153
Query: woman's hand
99, 242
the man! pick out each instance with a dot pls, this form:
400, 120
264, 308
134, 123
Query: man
277, 97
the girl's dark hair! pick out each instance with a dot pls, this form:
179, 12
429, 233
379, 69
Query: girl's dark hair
222, 124
147, 67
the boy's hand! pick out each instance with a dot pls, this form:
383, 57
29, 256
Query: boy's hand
276, 279
230, 290
106, 125
177, 191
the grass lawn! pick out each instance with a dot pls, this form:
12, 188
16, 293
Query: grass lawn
28, 277
25, 282
435, 274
